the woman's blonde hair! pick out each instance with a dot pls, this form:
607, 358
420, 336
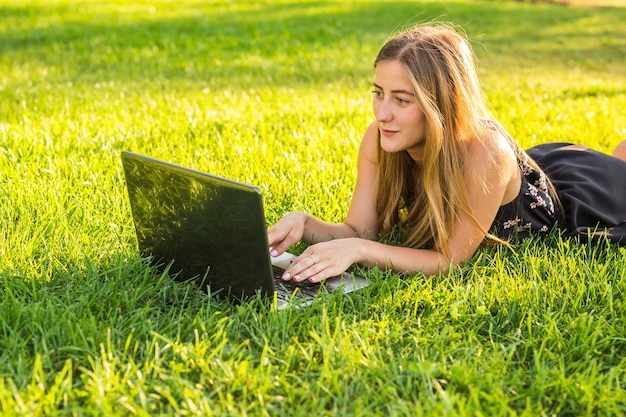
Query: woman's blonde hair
427, 198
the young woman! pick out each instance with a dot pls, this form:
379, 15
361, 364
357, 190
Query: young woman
447, 176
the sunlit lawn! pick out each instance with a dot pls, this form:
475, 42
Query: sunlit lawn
277, 94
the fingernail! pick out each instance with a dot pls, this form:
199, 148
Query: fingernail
274, 252
286, 276
296, 277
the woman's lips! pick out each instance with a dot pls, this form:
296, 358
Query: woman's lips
386, 132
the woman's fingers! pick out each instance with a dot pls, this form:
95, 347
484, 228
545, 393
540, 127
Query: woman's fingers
303, 268
319, 262
286, 232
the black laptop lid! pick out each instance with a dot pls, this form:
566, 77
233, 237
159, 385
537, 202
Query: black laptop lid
209, 228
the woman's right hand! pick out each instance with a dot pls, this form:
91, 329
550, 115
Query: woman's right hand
288, 231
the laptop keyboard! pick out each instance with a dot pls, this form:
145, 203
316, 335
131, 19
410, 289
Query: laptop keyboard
286, 290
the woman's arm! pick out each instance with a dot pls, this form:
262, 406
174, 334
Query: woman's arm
493, 168
360, 220
492, 172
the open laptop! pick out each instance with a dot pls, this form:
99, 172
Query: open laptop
212, 230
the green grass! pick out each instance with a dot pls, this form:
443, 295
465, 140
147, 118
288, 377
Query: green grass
276, 93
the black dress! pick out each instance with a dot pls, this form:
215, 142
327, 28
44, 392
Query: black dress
591, 187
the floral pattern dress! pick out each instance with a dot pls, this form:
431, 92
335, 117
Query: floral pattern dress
532, 211
591, 188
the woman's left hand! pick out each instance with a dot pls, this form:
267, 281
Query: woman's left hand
323, 260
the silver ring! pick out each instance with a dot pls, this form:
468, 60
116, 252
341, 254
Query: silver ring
313, 259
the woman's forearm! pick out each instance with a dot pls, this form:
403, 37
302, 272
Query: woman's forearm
316, 230
375, 254
401, 259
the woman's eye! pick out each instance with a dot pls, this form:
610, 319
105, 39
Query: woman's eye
401, 100
377, 93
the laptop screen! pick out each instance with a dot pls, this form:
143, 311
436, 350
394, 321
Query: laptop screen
208, 228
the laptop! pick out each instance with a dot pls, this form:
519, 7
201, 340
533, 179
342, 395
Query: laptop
212, 230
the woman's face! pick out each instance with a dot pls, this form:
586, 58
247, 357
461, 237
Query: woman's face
401, 121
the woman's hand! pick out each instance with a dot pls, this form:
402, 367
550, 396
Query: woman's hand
323, 260
288, 231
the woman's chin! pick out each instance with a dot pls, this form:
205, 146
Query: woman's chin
390, 146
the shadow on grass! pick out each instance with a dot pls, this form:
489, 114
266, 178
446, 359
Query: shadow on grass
286, 44
69, 315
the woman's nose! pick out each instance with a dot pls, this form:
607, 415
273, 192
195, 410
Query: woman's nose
383, 112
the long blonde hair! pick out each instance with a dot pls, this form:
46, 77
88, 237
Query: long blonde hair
427, 198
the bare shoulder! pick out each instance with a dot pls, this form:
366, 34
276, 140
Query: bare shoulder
492, 154
369, 144
492, 165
